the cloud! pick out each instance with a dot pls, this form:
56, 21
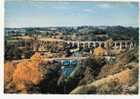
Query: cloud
104, 5
134, 4
89, 10
60, 7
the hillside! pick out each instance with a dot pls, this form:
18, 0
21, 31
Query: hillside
119, 78
94, 75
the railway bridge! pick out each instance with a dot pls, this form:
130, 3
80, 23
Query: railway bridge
118, 44
42, 43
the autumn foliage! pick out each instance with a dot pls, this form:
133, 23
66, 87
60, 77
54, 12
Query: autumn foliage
99, 52
25, 75
8, 72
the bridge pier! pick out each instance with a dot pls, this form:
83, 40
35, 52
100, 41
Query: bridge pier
115, 45
99, 44
126, 45
131, 45
78, 44
94, 44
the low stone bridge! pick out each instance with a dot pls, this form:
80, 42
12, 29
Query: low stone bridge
61, 60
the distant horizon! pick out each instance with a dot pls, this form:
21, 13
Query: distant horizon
78, 26
70, 13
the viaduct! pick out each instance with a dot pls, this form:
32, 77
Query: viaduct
42, 43
118, 44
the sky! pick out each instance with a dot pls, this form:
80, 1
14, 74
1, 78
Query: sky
44, 14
